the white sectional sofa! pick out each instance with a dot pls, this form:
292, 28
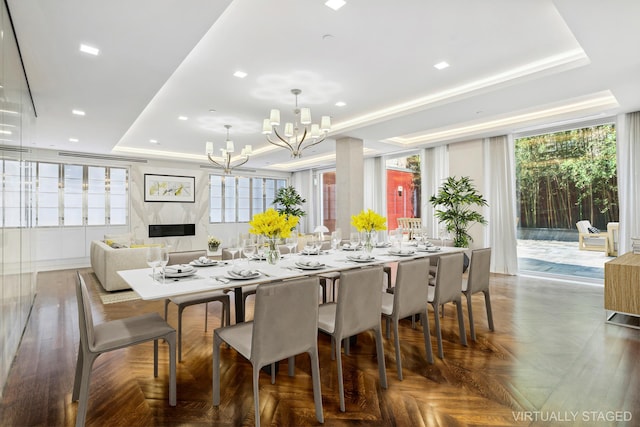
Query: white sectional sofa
106, 261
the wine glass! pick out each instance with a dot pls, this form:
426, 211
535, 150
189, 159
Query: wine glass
164, 260
234, 248
153, 259
354, 239
248, 248
335, 240
292, 244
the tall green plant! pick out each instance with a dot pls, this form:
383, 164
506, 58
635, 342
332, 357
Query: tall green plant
287, 201
456, 198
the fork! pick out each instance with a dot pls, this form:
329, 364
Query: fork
220, 279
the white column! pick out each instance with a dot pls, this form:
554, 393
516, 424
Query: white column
349, 182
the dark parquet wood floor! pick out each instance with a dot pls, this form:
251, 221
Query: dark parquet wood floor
551, 356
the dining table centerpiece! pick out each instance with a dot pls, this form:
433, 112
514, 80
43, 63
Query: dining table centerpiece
368, 222
273, 226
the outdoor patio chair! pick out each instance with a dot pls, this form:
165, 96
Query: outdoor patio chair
590, 238
613, 230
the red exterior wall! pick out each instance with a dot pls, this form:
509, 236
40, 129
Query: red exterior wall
399, 205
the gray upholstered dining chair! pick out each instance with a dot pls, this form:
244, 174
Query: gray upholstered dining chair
478, 281
285, 324
448, 287
184, 301
357, 310
407, 299
114, 335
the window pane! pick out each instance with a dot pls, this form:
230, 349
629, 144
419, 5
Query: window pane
215, 198
118, 205
96, 195
72, 195
329, 200
403, 189
229, 199
269, 192
47, 194
244, 199
257, 196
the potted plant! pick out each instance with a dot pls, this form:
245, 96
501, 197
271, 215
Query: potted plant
457, 197
214, 243
287, 201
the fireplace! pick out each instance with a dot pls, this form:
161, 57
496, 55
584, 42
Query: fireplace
165, 230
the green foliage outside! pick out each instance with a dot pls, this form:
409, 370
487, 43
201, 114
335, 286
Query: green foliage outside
567, 176
287, 201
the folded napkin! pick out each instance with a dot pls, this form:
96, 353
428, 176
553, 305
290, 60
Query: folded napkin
309, 263
361, 256
402, 251
244, 272
310, 251
178, 268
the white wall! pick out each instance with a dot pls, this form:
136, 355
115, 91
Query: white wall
466, 159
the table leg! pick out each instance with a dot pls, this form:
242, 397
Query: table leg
237, 292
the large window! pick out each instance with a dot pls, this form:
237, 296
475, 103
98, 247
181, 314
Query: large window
65, 194
237, 199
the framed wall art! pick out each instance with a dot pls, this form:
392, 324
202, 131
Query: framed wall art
169, 188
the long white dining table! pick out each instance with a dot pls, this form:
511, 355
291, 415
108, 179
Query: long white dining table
216, 277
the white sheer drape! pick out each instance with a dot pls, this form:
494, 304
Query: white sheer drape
434, 170
501, 212
628, 158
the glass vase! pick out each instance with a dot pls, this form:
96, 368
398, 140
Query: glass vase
369, 241
273, 251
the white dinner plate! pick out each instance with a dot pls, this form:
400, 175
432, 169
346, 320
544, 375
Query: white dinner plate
310, 267
355, 259
197, 263
180, 274
401, 253
310, 252
232, 275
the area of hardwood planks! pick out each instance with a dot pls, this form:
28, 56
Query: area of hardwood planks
551, 353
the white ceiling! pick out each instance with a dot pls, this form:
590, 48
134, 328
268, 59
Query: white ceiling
514, 65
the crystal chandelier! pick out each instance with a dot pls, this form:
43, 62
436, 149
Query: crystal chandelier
225, 162
299, 135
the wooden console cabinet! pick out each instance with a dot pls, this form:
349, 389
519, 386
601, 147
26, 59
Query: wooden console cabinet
622, 285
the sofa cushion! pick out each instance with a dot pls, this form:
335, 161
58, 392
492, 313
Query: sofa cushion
121, 239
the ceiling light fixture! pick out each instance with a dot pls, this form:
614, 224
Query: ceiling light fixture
89, 49
77, 112
335, 4
340, 104
296, 134
153, 141
183, 118
73, 139
442, 65
240, 74
225, 162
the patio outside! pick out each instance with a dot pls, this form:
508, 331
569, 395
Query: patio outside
556, 258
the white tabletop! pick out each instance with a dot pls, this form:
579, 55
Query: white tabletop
215, 277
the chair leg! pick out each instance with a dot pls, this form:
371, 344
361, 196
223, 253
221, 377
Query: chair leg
427, 336
166, 308
438, 331
180, 308
396, 340
291, 364
487, 303
387, 326
171, 340
83, 400
206, 315
472, 329
340, 379
256, 393
78, 377
323, 286
315, 377
463, 334
382, 370
217, 341
155, 358
273, 373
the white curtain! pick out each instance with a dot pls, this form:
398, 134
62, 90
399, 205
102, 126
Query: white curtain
501, 197
434, 170
628, 156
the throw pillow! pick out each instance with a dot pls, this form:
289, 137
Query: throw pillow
593, 230
123, 239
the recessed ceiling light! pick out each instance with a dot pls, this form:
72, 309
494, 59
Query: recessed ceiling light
153, 141
240, 74
78, 112
442, 65
5, 132
89, 49
212, 110
73, 139
183, 118
340, 104
335, 4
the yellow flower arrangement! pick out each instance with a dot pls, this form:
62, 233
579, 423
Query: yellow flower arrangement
369, 221
272, 224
